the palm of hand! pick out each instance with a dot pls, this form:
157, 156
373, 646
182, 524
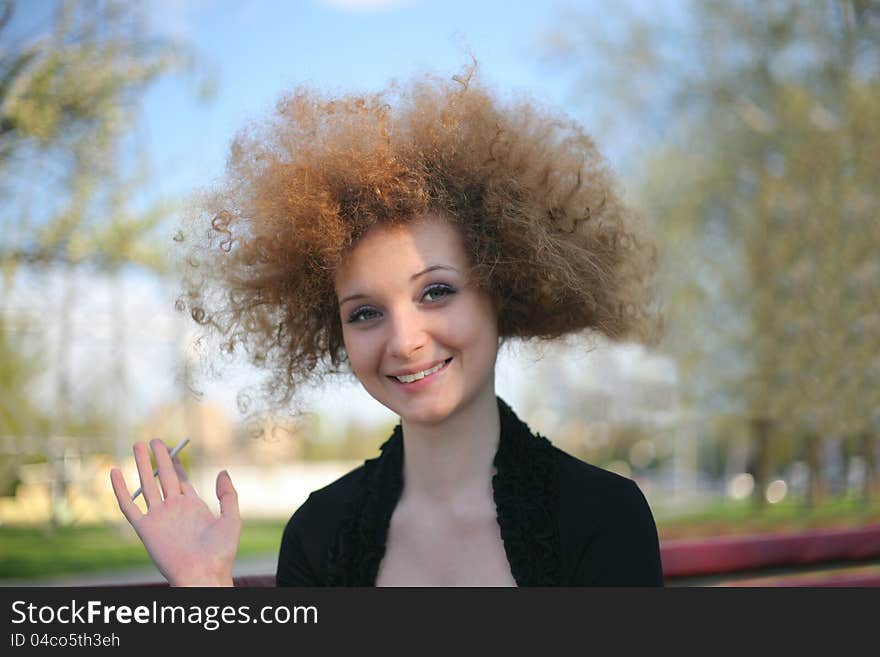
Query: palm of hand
188, 543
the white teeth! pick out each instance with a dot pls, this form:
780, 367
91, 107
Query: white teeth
409, 378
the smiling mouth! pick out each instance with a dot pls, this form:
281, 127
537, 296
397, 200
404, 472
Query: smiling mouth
410, 378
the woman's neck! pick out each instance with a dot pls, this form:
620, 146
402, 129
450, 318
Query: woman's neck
450, 463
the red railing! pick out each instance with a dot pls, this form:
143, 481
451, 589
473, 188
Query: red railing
828, 557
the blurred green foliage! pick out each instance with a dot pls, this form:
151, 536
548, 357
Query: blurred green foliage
740, 518
38, 553
69, 95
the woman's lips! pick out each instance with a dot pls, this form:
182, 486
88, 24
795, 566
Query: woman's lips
418, 384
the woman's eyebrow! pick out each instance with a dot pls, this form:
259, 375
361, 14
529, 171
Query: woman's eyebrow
433, 268
352, 297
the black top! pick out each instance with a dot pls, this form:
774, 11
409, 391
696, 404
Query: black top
563, 522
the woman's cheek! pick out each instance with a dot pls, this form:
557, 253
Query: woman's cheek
361, 354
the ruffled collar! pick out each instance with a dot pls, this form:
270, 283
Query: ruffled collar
526, 492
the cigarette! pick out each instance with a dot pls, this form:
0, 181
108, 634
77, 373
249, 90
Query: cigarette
172, 454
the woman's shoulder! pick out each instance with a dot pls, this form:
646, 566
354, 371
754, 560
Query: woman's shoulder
590, 492
327, 504
588, 477
308, 535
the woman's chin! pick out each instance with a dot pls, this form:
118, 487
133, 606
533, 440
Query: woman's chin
427, 411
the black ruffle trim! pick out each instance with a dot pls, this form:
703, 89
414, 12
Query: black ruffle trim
360, 544
526, 492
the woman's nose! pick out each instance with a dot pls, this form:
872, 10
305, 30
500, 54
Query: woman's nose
407, 335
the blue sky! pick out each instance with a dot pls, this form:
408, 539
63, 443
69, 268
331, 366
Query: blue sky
257, 51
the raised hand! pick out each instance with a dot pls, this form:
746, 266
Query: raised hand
188, 543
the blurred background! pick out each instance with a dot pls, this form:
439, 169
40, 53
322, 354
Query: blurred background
744, 132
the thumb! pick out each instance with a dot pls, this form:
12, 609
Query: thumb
227, 496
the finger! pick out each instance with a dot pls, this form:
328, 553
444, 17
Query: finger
185, 486
228, 496
167, 475
145, 472
179, 469
123, 497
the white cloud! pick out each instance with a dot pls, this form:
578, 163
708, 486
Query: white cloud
365, 5
174, 19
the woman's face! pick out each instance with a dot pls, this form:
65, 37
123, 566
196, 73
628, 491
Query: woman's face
420, 338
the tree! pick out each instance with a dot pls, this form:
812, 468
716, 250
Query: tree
74, 196
763, 186
68, 97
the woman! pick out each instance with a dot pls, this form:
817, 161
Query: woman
404, 236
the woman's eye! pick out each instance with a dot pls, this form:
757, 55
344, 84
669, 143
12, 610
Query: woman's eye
437, 292
362, 315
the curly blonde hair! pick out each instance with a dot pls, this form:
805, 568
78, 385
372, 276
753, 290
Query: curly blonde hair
543, 226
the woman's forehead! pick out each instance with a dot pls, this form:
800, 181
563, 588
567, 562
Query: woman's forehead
402, 250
